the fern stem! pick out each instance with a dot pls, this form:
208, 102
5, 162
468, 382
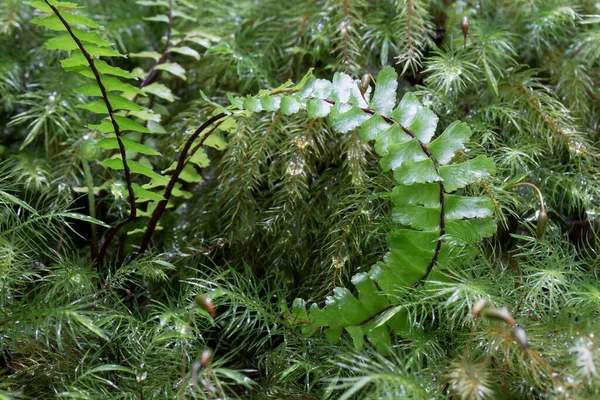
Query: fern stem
113, 232
160, 208
195, 149
438, 246
161, 60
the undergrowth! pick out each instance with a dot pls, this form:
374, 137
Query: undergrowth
299, 199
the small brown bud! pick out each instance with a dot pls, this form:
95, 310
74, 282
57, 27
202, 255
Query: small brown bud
500, 314
478, 307
364, 83
465, 29
465, 26
205, 303
520, 337
542, 221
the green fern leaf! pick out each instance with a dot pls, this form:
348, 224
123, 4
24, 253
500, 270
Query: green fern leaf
135, 167
146, 195
290, 105
125, 124
66, 42
146, 54
172, 68
384, 97
78, 63
41, 5
317, 108
372, 128
160, 90
111, 84
345, 117
270, 103
117, 102
54, 23
448, 143
460, 175
186, 51
111, 143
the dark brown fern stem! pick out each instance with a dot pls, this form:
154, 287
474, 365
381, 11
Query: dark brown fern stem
165, 53
162, 205
181, 163
195, 149
438, 246
113, 232
161, 60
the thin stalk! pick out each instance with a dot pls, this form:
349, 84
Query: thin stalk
162, 205
539, 193
542, 218
170, 28
161, 60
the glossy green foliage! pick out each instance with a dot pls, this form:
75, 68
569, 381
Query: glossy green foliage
434, 219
